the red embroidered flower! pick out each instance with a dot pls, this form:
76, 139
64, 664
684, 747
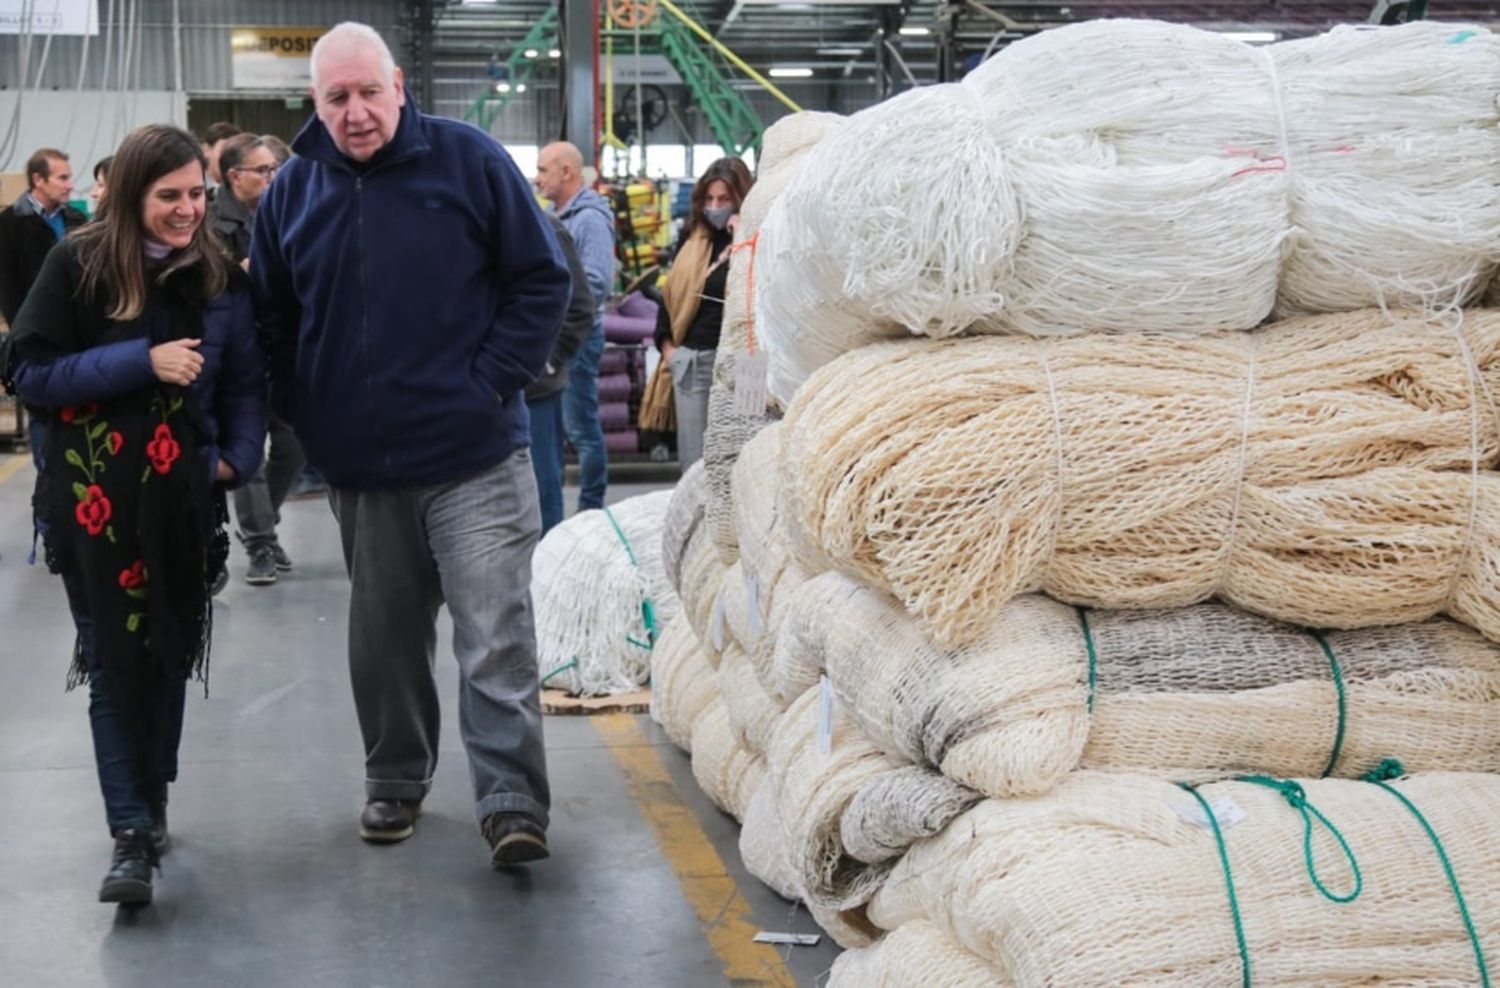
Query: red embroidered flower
116, 440
94, 510
71, 412
135, 577
163, 450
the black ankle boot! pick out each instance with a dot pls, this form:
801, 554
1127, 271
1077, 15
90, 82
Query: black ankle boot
129, 879
160, 841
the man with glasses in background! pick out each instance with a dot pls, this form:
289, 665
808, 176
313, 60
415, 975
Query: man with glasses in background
248, 165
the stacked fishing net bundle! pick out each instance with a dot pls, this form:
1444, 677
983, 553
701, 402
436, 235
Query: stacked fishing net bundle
1129, 176
785, 145
601, 596
991, 602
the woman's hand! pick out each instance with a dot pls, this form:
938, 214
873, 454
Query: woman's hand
224, 472
177, 362
667, 349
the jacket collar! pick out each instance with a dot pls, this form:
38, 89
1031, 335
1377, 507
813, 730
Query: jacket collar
228, 208
28, 205
410, 140
584, 198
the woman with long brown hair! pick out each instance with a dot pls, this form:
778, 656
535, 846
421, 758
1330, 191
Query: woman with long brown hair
139, 342
692, 310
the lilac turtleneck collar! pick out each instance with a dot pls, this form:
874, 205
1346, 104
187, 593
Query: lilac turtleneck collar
157, 251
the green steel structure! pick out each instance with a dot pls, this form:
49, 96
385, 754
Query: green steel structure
730, 116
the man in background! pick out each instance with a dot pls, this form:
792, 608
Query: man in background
248, 165
591, 224
33, 224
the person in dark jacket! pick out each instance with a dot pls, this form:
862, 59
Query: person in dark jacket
544, 397
410, 288
33, 224
248, 164
139, 338
692, 311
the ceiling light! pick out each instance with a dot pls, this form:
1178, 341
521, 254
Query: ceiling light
916, 32
502, 87
520, 87
791, 72
1250, 37
841, 52
531, 53
554, 53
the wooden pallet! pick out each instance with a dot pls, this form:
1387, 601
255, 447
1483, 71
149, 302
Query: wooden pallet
561, 704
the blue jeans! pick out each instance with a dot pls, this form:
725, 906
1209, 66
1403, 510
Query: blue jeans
465, 543
581, 415
127, 795
547, 455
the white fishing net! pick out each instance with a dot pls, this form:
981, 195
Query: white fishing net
682, 682
1127, 176
918, 954
1196, 693
601, 597
1119, 880
726, 771
783, 147
683, 520
1334, 471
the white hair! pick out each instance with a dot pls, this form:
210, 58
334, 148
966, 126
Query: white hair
350, 36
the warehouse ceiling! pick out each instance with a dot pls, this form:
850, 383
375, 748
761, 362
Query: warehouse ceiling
839, 42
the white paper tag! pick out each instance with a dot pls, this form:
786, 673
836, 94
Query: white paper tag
716, 626
825, 715
1226, 811
789, 939
750, 383
752, 597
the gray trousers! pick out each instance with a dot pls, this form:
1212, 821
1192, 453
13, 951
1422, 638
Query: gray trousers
257, 505
692, 376
468, 544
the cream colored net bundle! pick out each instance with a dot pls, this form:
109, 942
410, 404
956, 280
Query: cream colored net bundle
1132, 176
1333, 471
753, 714
1117, 880
762, 846
1196, 693
918, 955
592, 588
682, 682
726, 771
783, 147
702, 575
683, 520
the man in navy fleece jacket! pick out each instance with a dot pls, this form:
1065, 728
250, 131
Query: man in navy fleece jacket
409, 289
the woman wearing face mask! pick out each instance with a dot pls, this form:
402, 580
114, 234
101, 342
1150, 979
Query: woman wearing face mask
139, 341
692, 311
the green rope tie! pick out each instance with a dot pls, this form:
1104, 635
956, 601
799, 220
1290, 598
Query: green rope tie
648, 607
1234, 903
1296, 797
1088, 640
1391, 769
560, 670
1338, 683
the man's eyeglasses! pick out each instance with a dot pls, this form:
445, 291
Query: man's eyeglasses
264, 171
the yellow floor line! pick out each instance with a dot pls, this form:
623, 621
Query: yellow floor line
723, 913
12, 465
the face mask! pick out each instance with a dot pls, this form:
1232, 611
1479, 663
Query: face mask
718, 216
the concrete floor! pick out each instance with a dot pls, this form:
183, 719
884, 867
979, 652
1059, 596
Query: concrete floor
268, 883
